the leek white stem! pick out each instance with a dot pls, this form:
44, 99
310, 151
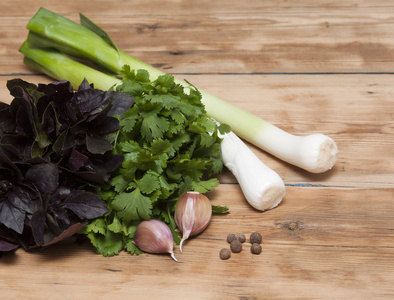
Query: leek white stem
261, 186
315, 153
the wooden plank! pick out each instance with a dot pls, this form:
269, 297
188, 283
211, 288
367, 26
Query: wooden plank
332, 235
261, 37
341, 248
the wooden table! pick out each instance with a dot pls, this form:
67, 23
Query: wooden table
305, 66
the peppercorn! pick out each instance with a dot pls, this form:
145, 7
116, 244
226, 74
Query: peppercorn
255, 248
241, 237
255, 237
225, 254
236, 246
231, 237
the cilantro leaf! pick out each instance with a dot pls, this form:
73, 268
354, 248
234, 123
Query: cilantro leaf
205, 186
107, 244
132, 206
159, 146
95, 226
149, 182
130, 247
153, 127
219, 209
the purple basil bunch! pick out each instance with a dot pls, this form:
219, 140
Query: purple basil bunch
55, 152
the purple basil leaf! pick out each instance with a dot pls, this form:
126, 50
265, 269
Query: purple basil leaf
50, 122
97, 144
85, 205
17, 85
7, 124
12, 217
112, 163
107, 125
23, 199
6, 246
99, 173
64, 141
37, 224
94, 177
121, 102
24, 125
76, 160
60, 217
88, 100
69, 232
85, 85
62, 89
7, 164
44, 176
18, 144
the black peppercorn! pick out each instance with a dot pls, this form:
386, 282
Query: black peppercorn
236, 246
241, 237
231, 237
255, 248
255, 237
225, 254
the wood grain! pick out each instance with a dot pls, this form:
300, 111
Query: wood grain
209, 37
312, 249
306, 66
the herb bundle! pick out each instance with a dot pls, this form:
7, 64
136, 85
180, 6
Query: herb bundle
55, 152
99, 162
170, 146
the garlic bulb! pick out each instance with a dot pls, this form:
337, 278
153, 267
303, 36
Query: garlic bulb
154, 236
193, 213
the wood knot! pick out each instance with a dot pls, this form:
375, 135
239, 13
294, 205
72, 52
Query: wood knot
290, 225
293, 225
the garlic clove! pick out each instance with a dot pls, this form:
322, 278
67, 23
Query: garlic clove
154, 236
193, 212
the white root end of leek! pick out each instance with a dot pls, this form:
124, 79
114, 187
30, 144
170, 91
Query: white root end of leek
315, 153
263, 188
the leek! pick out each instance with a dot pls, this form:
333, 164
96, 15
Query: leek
315, 153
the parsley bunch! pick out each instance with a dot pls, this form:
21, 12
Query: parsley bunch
169, 145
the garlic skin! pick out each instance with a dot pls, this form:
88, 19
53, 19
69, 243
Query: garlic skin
193, 212
154, 236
